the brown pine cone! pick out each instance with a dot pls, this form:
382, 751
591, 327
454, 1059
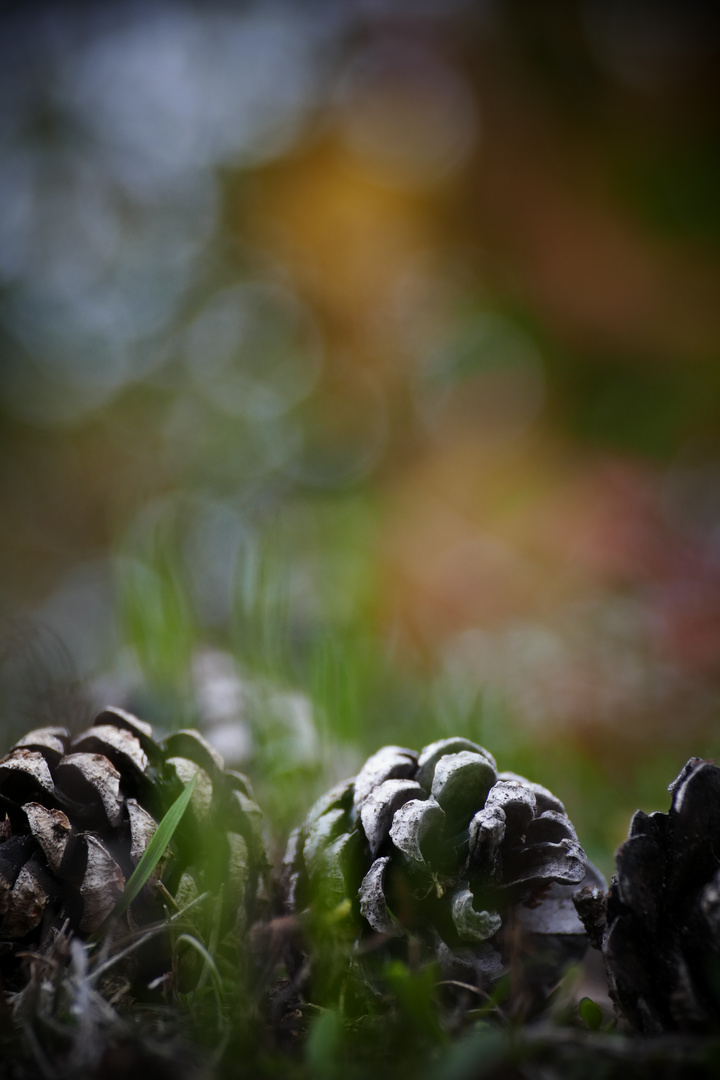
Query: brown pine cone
79, 813
659, 925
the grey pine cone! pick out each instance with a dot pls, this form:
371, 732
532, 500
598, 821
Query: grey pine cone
477, 865
76, 815
659, 925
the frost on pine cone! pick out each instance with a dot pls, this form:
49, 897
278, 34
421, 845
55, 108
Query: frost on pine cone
478, 866
76, 815
659, 926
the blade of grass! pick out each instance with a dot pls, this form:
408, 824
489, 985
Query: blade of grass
151, 856
209, 964
141, 937
214, 935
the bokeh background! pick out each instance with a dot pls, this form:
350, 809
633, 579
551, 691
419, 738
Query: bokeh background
360, 383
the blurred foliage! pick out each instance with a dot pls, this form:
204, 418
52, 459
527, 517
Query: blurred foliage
359, 383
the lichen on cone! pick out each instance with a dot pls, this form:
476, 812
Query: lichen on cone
441, 855
659, 925
76, 815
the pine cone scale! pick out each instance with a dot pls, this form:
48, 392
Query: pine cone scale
102, 885
373, 905
462, 782
413, 823
118, 745
52, 830
27, 901
24, 771
390, 763
142, 829
379, 808
91, 781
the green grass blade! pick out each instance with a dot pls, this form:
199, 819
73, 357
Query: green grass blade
209, 964
151, 856
591, 1013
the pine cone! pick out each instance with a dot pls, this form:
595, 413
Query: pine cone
79, 813
479, 867
659, 926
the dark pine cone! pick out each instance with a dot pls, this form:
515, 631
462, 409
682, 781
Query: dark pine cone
79, 813
659, 927
476, 867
